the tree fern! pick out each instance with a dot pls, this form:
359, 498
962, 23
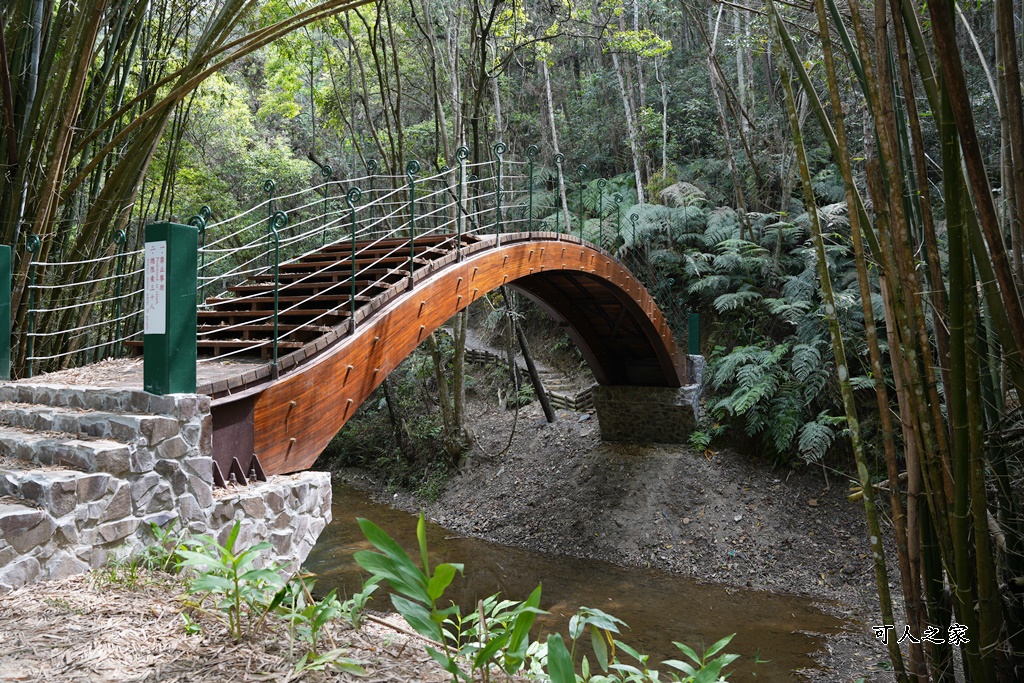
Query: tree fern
815, 440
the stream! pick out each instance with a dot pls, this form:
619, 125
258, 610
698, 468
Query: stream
659, 607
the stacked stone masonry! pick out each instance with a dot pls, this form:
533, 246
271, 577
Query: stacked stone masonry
84, 472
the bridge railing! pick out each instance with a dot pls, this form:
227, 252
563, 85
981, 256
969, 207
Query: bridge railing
485, 197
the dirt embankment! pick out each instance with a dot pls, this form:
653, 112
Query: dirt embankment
724, 517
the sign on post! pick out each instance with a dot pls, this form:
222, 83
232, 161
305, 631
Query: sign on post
169, 315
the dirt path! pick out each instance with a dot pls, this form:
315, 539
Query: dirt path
721, 517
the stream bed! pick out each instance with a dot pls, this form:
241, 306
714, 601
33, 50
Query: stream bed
783, 631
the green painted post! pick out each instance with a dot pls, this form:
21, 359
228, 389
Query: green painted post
351, 197
411, 169
581, 171
326, 171
499, 149
601, 184
5, 312
32, 243
269, 186
531, 152
169, 311
559, 158
693, 334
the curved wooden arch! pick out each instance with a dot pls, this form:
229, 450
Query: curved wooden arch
616, 323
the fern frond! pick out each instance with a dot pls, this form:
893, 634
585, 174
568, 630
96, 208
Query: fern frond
735, 300
815, 440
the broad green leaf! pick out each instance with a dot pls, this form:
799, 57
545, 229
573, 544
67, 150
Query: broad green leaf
489, 650
442, 578
680, 665
519, 641
449, 665
630, 651
560, 667
421, 536
211, 583
418, 617
405, 579
600, 647
687, 650
717, 647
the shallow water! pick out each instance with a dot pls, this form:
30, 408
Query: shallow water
659, 607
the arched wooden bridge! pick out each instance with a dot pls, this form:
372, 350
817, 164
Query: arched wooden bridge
327, 369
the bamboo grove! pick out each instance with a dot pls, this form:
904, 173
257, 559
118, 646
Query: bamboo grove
914, 117
953, 337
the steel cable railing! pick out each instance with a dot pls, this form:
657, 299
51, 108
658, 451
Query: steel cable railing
373, 226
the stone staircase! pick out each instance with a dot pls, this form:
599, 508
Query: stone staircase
84, 471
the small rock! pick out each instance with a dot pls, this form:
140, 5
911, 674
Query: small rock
686, 520
737, 518
813, 502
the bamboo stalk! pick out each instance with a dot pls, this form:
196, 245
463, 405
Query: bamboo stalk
870, 510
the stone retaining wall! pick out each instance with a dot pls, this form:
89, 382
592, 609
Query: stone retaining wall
84, 471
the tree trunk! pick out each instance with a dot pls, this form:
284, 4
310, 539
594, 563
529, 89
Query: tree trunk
554, 137
634, 145
531, 368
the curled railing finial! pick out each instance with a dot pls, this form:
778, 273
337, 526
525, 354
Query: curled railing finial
634, 218
581, 171
372, 166
500, 148
462, 153
326, 171
120, 237
279, 220
412, 168
353, 196
602, 183
617, 198
32, 243
198, 221
559, 158
532, 151
206, 212
269, 185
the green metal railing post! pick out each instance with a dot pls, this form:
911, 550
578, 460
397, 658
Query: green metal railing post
499, 149
634, 218
120, 239
351, 197
617, 198
205, 212
269, 186
559, 158
326, 171
476, 197
32, 243
601, 184
531, 152
199, 223
693, 334
461, 154
447, 191
411, 169
581, 171
277, 221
